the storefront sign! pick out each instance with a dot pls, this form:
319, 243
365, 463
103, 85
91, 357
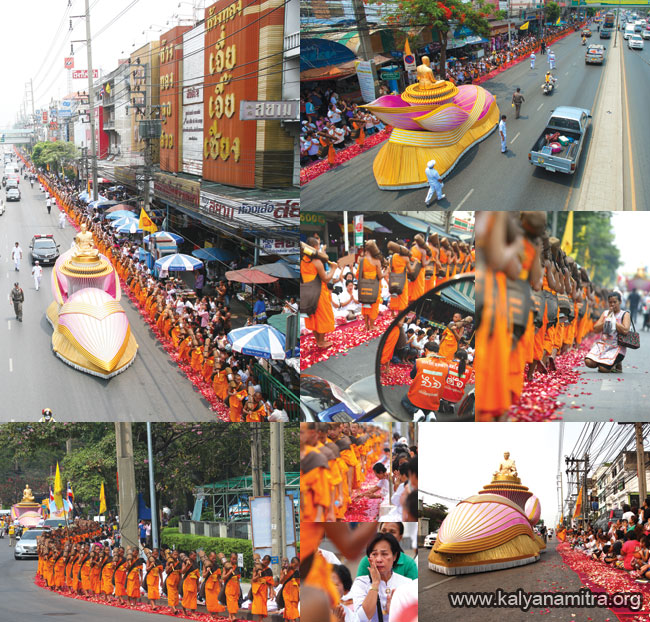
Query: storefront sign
358, 230
390, 75
264, 214
269, 110
193, 138
312, 218
82, 74
366, 76
271, 246
177, 191
193, 43
125, 175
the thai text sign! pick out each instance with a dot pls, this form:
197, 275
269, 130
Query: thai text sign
264, 214
269, 110
81, 74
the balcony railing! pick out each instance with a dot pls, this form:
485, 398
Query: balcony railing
292, 45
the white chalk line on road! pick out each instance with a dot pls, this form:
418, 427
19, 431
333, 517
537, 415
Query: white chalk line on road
467, 196
8, 324
540, 107
11, 365
515, 138
428, 587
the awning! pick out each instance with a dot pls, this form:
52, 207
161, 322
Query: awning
316, 53
337, 72
422, 226
368, 224
462, 300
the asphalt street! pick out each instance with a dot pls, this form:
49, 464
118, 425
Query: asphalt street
549, 574
32, 377
486, 179
621, 397
22, 601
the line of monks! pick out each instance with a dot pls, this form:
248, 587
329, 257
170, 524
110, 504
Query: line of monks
534, 303
409, 273
335, 459
72, 561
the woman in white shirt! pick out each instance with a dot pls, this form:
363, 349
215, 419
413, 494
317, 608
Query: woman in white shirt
380, 491
369, 593
342, 580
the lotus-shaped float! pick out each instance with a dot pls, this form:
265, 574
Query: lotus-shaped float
439, 124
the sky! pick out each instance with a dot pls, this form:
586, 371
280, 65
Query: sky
31, 48
457, 459
630, 230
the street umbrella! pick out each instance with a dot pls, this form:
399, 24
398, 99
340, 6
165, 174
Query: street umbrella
250, 276
213, 254
162, 235
129, 227
122, 213
261, 340
121, 207
124, 220
281, 269
178, 262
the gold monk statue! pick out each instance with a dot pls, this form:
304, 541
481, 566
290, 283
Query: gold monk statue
426, 79
28, 497
507, 467
84, 245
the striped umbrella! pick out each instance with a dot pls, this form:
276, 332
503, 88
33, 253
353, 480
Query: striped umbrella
123, 213
261, 340
125, 220
129, 227
163, 235
178, 262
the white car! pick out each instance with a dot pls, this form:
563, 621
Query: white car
646, 33
635, 42
2, 207
430, 540
26, 544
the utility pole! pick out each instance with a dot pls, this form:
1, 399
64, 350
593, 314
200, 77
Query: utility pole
128, 501
31, 88
278, 518
152, 491
91, 103
256, 460
365, 47
640, 462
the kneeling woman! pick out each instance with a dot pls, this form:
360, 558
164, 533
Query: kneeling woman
606, 354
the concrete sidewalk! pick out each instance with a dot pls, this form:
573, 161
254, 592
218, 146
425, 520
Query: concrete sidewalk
602, 182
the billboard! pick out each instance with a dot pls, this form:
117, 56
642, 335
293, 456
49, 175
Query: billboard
81, 74
263, 214
193, 42
231, 68
101, 137
271, 246
261, 526
171, 58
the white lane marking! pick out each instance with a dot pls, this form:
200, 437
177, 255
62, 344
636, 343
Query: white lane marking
467, 196
428, 587
8, 324
11, 365
539, 107
567, 73
515, 138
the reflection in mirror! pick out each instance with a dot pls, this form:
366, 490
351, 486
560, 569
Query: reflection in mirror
424, 361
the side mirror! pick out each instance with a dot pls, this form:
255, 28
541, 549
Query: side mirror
449, 310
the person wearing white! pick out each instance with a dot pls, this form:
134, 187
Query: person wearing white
62, 220
37, 273
435, 183
532, 60
503, 134
342, 581
370, 592
16, 255
404, 603
346, 304
381, 489
551, 59
279, 414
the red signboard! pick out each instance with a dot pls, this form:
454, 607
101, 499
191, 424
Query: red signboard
68, 62
101, 137
80, 74
171, 94
230, 66
44, 116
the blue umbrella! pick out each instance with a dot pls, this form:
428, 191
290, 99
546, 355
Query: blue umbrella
129, 227
124, 221
162, 234
120, 213
178, 263
213, 254
260, 340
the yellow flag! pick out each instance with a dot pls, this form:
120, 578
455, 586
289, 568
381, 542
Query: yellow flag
578, 509
146, 224
58, 489
524, 26
407, 48
558, 22
567, 238
102, 500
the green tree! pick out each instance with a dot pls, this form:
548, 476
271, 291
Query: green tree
552, 12
441, 17
55, 154
436, 513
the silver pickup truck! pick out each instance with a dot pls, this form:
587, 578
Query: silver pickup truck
570, 124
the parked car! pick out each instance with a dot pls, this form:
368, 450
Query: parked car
430, 540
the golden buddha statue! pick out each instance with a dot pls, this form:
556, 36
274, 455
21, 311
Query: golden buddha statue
428, 89
507, 468
28, 497
84, 247
426, 79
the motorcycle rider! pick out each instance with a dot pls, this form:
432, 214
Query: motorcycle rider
584, 40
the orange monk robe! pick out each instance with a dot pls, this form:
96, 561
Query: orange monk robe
320, 571
220, 384
233, 592
166, 327
389, 346
196, 359
260, 588
76, 567
107, 578
291, 595
176, 336
59, 572
370, 272
173, 580
120, 578
257, 416
190, 589
322, 320
430, 283
345, 490
49, 572
212, 589
95, 579
236, 402
314, 485
153, 583
398, 265
85, 576
351, 461
448, 345
416, 288
334, 475
133, 583
206, 368
184, 349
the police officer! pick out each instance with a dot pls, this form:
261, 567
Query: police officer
429, 376
37, 273
48, 204
17, 297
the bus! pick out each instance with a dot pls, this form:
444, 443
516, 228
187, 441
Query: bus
608, 25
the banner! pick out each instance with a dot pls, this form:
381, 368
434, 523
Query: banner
82, 74
192, 125
264, 214
272, 246
358, 230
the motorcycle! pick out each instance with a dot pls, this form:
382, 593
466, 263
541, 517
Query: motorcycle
584, 41
549, 87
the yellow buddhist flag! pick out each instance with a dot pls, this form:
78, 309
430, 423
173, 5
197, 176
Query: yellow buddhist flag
102, 500
578, 509
567, 238
558, 22
407, 48
58, 489
524, 26
146, 224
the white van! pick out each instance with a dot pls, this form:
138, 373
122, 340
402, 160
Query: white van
629, 31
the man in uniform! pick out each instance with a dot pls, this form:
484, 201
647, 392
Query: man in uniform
435, 185
517, 100
17, 297
37, 273
429, 376
48, 204
17, 255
